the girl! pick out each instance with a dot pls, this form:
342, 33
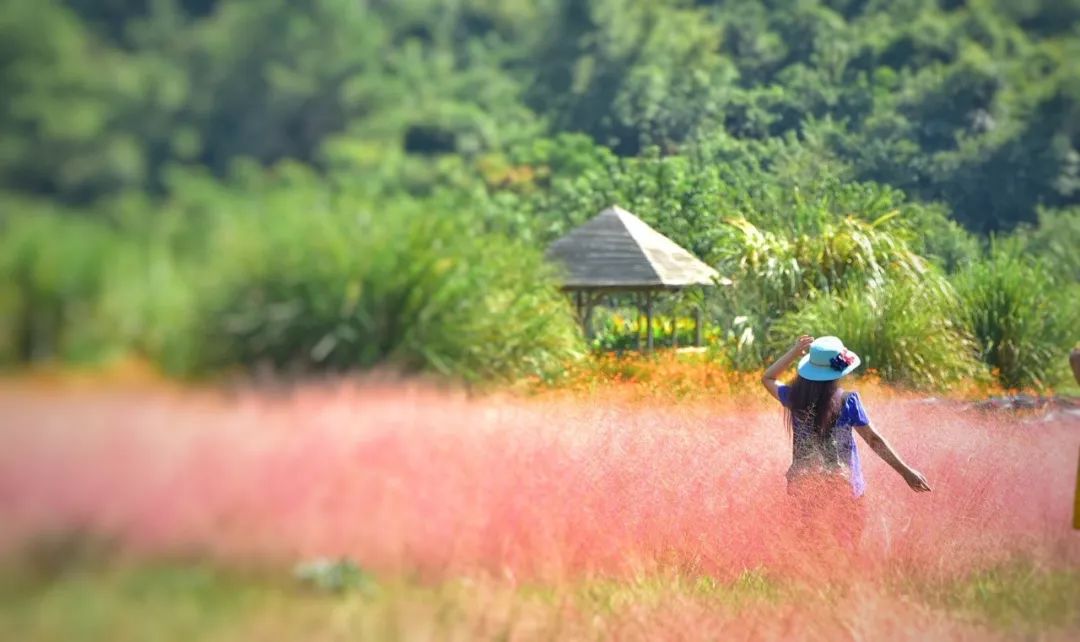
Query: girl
825, 472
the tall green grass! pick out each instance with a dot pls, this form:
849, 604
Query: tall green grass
300, 276
833, 272
53, 272
324, 290
781, 272
907, 332
286, 272
1024, 319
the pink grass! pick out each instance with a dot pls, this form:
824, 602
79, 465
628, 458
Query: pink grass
404, 478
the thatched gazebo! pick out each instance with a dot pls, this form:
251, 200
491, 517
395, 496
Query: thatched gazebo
616, 252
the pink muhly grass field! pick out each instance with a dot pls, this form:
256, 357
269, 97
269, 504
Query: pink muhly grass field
403, 478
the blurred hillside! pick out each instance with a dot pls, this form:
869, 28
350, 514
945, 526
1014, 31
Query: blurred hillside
974, 104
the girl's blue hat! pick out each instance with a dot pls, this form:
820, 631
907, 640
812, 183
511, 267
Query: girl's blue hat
827, 359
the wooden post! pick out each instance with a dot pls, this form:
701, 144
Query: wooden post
698, 325
587, 319
637, 322
648, 322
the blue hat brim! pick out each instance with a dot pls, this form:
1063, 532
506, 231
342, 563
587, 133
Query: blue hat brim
813, 372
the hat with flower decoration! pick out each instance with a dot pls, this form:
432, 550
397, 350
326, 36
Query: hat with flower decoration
827, 359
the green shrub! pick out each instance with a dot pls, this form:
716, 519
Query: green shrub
905, 332
941, 239
1023, 319
300, 281
149, 295
774, 273
281, 269
846, 252
52, 273
1056, 240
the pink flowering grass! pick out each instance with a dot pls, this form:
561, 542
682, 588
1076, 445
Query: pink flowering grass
406, 479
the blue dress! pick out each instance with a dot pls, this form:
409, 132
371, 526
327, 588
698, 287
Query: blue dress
839, 455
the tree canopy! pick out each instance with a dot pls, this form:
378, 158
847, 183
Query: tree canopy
974, 104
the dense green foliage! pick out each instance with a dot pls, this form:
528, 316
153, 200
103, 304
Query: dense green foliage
54, 271
903, 331
972, 103
331, 184
326, 287
210, 285
1021, 316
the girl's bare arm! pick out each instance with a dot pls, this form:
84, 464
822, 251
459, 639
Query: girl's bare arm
880, 446
780, 365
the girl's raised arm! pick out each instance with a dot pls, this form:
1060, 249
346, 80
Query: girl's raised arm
802, 344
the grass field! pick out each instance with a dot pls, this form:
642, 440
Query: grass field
154, 513
178, 601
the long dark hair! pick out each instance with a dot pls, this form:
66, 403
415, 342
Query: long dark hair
814, 403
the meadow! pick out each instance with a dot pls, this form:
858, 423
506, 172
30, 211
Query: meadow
137, 511
371, 411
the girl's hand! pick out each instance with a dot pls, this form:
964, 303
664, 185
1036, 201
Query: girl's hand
802, 344
916, 480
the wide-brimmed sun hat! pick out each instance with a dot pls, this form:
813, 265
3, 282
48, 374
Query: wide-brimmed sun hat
827, 359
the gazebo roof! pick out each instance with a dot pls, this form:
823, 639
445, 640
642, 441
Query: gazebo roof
617, 250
